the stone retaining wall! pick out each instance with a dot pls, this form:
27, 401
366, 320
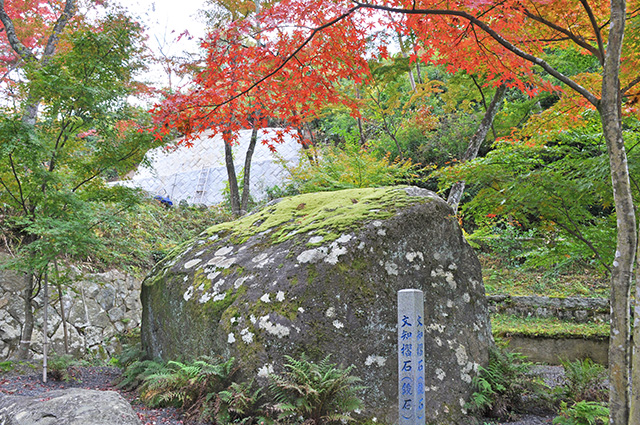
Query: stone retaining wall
98, 306
580, 310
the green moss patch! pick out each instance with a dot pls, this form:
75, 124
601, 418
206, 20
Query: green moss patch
326, 214
505, 326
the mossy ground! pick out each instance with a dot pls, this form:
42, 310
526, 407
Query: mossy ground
519, 281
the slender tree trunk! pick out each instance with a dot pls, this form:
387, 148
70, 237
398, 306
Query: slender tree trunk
246, 178
45, 336
63, 316
455, 194
234, 194
27, 326
621, 275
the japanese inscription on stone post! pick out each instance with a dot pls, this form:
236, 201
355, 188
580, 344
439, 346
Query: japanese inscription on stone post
411, 357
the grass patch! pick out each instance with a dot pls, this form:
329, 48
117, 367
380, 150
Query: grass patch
520, 281
505, 326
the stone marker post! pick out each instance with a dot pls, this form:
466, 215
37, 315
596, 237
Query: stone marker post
411, 357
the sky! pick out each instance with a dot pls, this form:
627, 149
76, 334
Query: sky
165, 21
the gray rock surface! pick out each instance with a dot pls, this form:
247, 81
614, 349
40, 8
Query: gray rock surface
574, 309
319, 274
72, 406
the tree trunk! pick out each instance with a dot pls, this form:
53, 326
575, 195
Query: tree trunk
610, 115
27, 326
45, 330
234, 195
246, 177
455, 194
63, 316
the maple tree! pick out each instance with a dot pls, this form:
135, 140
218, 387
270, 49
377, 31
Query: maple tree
66, 125
308, 45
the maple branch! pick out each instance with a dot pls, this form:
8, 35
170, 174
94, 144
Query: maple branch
23, 51
285, 61
630, 86
590, 97
578, 40
65, 16
596, 30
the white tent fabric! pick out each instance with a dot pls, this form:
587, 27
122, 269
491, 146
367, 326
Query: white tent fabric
198, 174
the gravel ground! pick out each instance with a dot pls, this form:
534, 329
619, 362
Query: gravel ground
92, 378
102, 378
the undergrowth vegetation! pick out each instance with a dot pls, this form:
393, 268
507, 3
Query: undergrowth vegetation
207, 391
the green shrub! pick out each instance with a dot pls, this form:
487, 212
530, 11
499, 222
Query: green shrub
6, 366
582, 413
63, 368
320, 392
239, 404
504, 384
584, 381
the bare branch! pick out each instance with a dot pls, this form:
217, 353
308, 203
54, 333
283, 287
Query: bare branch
21, 50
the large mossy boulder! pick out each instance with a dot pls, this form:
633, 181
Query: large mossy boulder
318, 274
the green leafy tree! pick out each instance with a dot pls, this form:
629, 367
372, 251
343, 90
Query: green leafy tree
54, 167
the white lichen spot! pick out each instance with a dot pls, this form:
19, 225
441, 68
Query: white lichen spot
316, 239
338, 324
212, 276
465, 377
436, 327
453, 266
205, 297
377, 223
246, 335
273, 328
223, 251
240, 281
233, 320
188, 294
379, 361
615, 263
391, 268
438, 341
253, 319
312, 255
449, 303
462, 402
213, 237
266, 298
184, 279
461, 355
344, 238
331, 312
231, 338
220, 297
466, 297
436, 256
280, 296
382, 232
199, 253
192, 263
413, 255
301, 310
336, 252
265, 371
361, 245
440, 374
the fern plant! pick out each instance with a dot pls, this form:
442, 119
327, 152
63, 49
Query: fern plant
241, 403
501, 386
134, 375
582, 413
321, 393
584, 381
189, 386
